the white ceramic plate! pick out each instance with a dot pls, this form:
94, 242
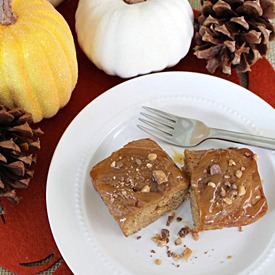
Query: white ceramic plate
87, 236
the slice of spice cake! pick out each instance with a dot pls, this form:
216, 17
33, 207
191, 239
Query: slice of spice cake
139, 183
225, 188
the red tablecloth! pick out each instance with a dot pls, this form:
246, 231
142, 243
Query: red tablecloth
26, 236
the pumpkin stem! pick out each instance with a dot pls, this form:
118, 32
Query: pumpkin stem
7, 17
133, 1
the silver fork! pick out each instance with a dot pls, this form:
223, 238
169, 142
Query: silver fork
187, 132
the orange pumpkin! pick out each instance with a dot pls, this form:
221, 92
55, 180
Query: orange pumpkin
38, 65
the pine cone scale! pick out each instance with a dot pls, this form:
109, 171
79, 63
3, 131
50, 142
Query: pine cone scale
19, 144
241, 29
5, 118
253, 37
9, 145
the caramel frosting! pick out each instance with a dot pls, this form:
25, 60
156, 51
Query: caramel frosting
135, 175
226, 189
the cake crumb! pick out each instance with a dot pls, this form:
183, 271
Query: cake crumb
162, 239
138, 237
157, 261
178, 241
176, 265
187, 252
229, 257
195, 235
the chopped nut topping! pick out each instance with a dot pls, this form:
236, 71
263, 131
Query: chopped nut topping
211, 184
145, 189
256, 157
234, 186
159, 176
227, 201
242, 168
215, 169
231, 162
238, 174
242, 191
116, 165
223, 192
149, 165
152, 156
138, 161
226, 176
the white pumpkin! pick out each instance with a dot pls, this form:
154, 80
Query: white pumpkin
132, 39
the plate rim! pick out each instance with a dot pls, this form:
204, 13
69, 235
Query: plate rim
101, 98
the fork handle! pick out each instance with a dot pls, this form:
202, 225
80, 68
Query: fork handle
258, 141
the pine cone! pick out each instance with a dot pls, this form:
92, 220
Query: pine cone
19, 144
234, 33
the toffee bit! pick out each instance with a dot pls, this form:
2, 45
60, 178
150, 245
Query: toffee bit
164, 233
184, 231
159, 176
170, 219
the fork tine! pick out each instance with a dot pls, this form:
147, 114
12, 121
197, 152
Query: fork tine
159, 120
157, 126
160, 113
155, 133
